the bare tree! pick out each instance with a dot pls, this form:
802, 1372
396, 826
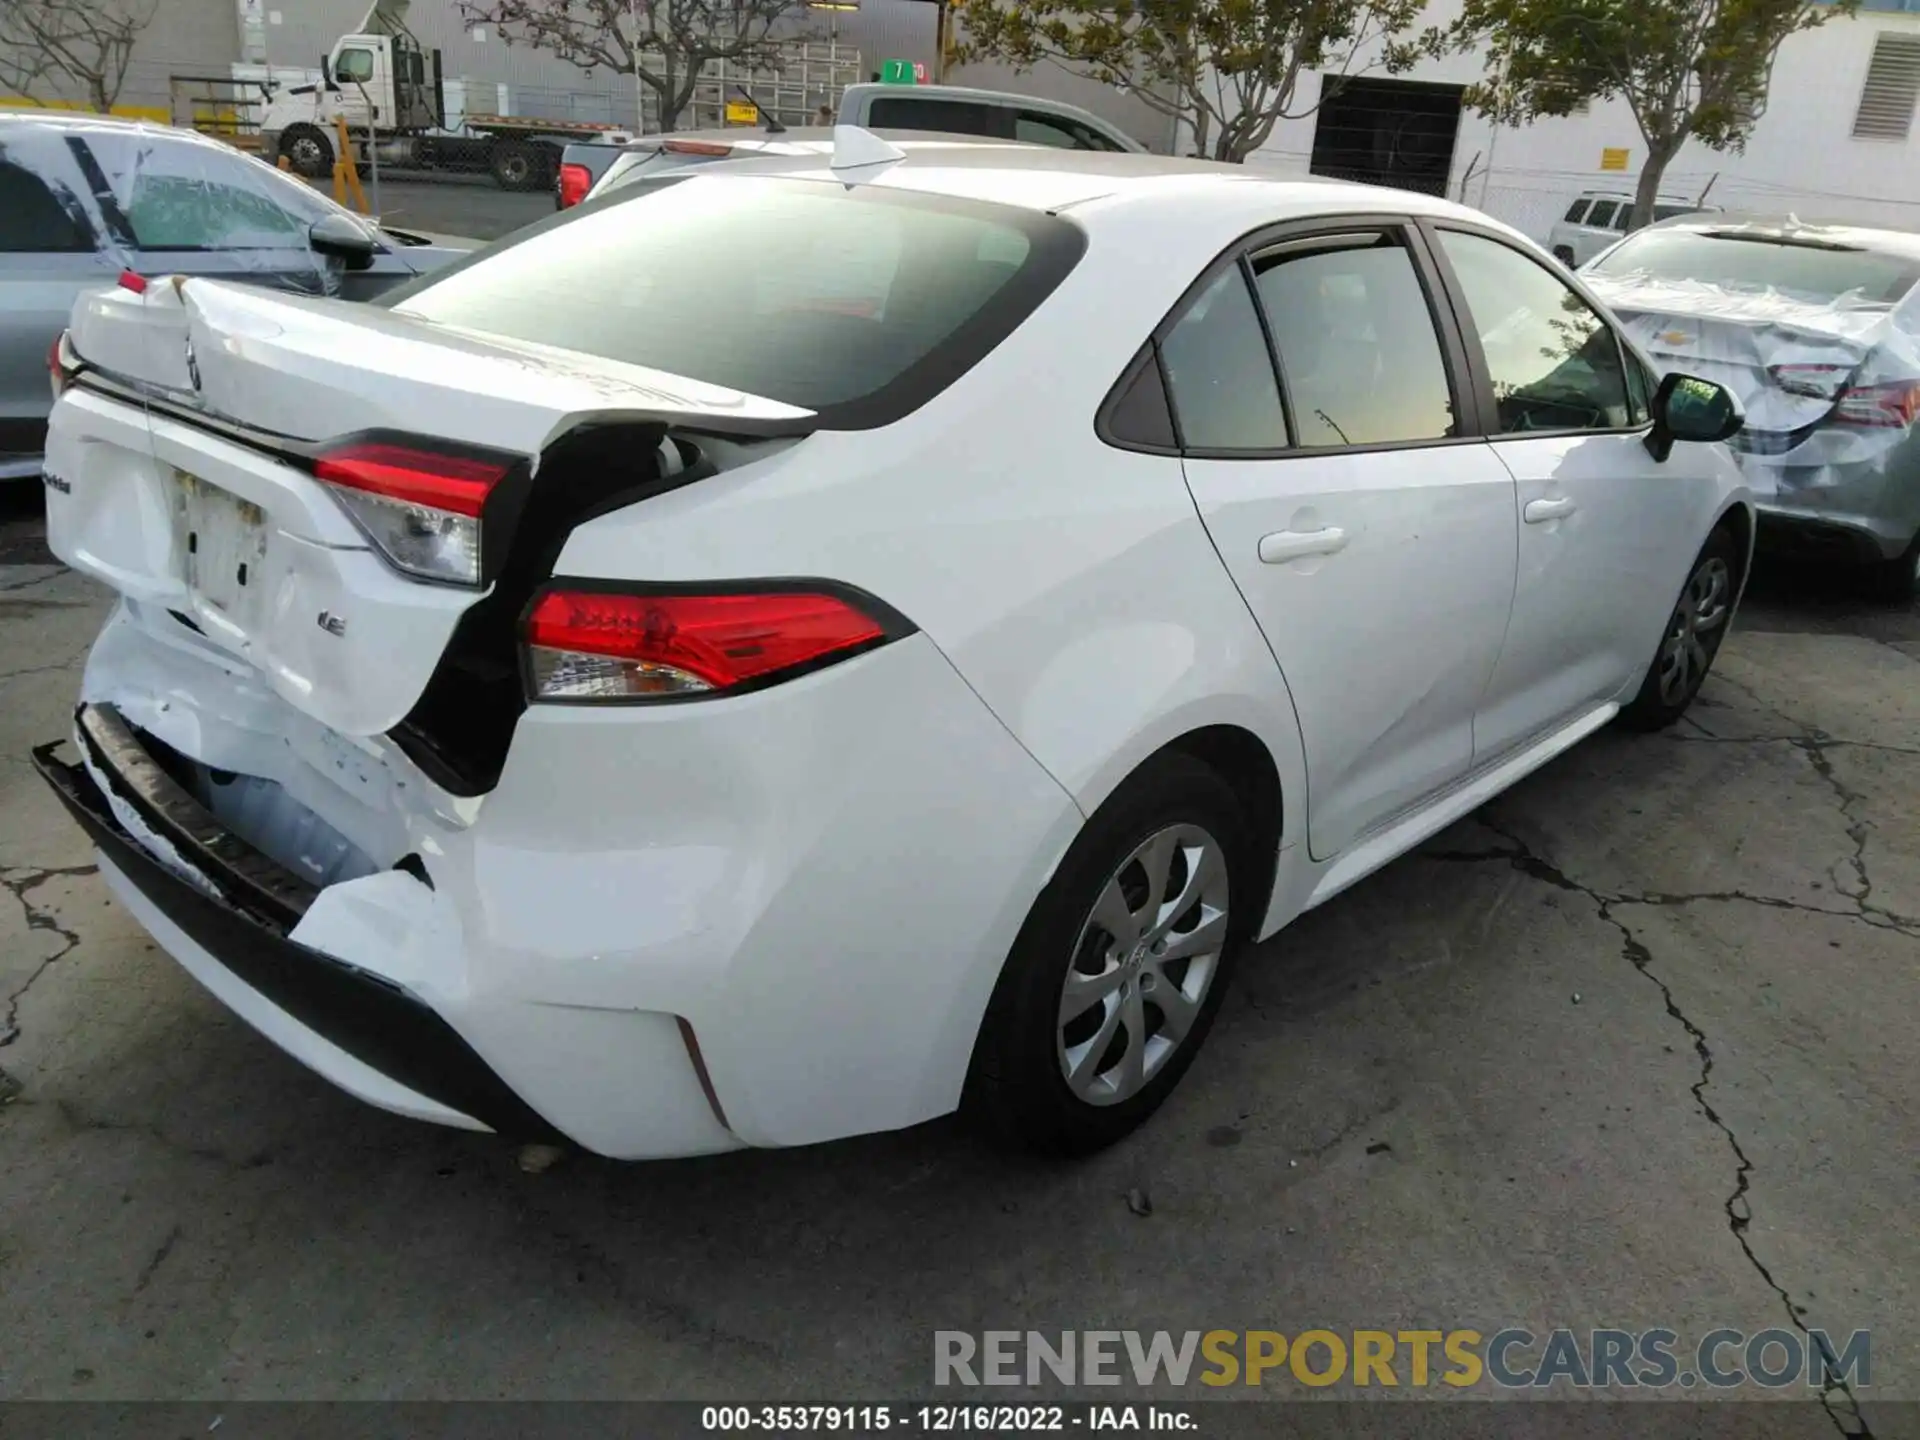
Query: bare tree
663, 43
60, 44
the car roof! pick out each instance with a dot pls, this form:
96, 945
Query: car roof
1787, 227
1046, 178
798, 139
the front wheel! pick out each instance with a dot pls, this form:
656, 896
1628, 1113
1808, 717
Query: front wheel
1691, 639
1116, 976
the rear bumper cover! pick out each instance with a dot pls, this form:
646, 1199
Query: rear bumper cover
245, 923
1797, 534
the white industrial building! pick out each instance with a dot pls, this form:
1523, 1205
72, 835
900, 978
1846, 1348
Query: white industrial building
1837, 141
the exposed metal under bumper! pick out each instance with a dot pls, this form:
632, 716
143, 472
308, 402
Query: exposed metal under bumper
376, 1021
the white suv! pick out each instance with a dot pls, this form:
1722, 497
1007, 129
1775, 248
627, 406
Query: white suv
1598, 218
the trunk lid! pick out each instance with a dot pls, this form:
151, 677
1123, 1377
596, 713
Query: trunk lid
1788, 360
184, 478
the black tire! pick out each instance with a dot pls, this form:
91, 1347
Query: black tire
1662, 701
520, 165
1895, 581
308, 151
1564, 255
1018, 1089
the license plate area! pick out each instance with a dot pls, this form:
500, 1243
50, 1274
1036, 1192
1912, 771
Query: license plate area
222, 542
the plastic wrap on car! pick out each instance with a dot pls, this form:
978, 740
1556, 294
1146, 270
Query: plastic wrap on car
1789, 359
150, 194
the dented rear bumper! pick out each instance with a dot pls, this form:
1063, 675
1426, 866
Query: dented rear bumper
238, 906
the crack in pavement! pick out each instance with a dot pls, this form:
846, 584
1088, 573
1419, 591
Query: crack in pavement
1847, 1418
19, 883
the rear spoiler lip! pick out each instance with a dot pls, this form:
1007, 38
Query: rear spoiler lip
179, 405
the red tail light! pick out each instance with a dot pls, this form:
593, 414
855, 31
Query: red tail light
130, 281
575, 182
420, 508
585, 645
1892, 406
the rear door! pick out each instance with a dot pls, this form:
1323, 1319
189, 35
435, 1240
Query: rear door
1369, 528
47, 257
1605, 532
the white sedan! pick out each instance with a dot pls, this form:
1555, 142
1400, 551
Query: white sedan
775, 656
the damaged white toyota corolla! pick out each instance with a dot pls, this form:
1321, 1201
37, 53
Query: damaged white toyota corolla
767, 657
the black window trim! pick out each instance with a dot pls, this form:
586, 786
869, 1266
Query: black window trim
1470, 399
1431, 229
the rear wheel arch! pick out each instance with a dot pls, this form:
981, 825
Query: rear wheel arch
1242, 759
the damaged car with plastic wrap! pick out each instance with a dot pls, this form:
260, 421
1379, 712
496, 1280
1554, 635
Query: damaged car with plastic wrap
1817, 329
86, 200
774, 655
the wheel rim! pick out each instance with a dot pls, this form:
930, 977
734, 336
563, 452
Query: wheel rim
1694, 632
1142, 965
514, 169
305, 151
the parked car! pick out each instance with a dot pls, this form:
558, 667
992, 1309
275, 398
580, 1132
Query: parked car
949, 110
1817, 329
677, 682
789, 149
84, 198
1598, 218
992, 114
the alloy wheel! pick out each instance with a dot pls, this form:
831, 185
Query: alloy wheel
1694, 632
1144, 961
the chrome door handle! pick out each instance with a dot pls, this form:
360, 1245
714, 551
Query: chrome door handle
1284, 545
1542, 510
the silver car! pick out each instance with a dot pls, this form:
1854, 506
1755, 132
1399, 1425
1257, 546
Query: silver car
84, 199
1817, 329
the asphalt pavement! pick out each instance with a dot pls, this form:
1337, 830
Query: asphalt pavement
1633, 1047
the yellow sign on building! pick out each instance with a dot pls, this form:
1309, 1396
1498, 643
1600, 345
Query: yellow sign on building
1611, 159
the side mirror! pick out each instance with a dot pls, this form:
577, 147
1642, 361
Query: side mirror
340, 238
1686, 408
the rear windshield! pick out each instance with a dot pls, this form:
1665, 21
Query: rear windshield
1810, 272
858, 303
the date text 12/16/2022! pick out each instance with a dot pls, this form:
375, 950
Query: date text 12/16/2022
944, 1419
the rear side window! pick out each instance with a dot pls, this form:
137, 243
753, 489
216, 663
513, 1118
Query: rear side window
33, 220
1577, 211
1221, 375
1600, 217
1667, 212
955, 117
859, 304
1358, 348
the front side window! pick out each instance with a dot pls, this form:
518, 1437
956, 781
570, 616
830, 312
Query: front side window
1359, 355
187, 194
354, 67
1577, 212
1220, 373
34, 219
1554, 363
806, 293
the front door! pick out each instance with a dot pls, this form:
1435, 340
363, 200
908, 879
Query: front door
1371, 535
1606, 532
